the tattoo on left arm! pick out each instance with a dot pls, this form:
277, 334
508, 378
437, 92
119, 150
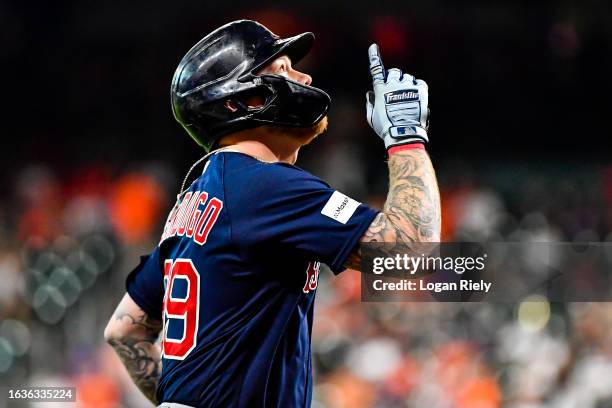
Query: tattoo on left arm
138, 349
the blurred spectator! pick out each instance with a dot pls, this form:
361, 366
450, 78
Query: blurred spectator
74, 218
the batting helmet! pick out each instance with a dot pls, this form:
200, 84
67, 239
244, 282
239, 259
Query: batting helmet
223, 66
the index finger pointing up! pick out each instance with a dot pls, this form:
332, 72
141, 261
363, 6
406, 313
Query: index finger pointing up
377, 68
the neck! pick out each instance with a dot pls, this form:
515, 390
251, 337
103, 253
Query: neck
279, 149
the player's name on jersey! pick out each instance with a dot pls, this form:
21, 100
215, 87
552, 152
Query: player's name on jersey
194, 217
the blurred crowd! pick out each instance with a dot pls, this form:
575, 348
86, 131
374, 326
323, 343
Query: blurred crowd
508, 69
68, 241
90, 178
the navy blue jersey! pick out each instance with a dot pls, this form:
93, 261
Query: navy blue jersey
234, 280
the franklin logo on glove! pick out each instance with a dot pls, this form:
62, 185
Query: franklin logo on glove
402, 96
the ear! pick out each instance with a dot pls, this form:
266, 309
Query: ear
231, 106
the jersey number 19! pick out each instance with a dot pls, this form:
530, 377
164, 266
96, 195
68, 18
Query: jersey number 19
181, 308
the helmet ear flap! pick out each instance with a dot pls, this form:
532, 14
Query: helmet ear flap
252, 100
292, 103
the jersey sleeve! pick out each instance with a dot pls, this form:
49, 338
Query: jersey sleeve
145, 285
288, 206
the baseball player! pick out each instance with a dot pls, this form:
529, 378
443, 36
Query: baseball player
230, 287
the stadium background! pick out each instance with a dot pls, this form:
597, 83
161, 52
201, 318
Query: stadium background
520, 139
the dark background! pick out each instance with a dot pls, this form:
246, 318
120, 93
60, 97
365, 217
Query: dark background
89, 80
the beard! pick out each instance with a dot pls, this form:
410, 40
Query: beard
304, 135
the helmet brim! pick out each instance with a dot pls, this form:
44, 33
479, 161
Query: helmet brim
296, 48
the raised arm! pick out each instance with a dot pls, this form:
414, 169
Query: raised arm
397, 110
412, 210
134, 335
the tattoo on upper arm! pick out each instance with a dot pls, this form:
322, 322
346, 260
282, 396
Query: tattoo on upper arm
412, 209
153, 326
140, 352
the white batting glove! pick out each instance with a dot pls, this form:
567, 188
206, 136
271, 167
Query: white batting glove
397, 108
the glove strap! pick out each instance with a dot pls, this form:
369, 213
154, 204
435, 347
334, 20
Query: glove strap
408, 132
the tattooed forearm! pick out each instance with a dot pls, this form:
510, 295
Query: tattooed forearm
142, 359
412, 210
133, 336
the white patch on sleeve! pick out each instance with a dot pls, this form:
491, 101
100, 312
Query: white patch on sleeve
340, 207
